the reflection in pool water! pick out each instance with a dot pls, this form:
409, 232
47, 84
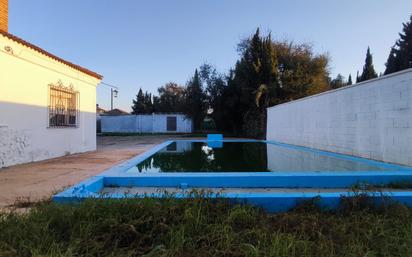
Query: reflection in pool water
184, 156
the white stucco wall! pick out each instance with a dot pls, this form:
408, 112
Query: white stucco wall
372, 119
155, 123
24, 134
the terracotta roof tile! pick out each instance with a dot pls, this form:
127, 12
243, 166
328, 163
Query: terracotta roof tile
115, 112
40, 50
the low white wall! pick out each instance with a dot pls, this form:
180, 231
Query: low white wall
155, 123
372, 119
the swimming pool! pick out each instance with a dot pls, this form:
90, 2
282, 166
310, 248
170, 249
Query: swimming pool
248, 156
268, 171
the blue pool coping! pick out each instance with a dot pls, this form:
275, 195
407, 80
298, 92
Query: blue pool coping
273, 202
117, 177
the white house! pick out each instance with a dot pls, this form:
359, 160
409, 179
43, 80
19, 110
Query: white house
47, 104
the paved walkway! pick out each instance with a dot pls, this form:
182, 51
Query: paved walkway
39, 180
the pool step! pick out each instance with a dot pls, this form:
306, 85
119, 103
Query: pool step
222, 191
258, 180
270, 199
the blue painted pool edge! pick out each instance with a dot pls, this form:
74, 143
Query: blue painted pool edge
256, 180
122, 167
88, 188
271, 202
116, 176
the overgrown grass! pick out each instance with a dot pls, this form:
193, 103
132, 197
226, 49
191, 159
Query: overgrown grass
205, 227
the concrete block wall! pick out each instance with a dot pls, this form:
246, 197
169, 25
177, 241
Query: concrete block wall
372, 119
156, 123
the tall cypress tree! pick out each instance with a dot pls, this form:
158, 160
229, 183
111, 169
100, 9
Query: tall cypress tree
368, 70
392, 64
400, 56
139, 106
195, 101
256, 77
268, 73
148, 103
405, 46
349, 80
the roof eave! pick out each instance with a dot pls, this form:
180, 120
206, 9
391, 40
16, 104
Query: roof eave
50, 55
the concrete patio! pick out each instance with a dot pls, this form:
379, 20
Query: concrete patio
39, 180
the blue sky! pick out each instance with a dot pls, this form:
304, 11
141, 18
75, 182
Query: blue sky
148, 43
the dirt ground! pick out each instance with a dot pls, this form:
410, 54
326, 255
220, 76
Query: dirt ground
39, 180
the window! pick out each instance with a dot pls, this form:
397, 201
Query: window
63, 106
171, 124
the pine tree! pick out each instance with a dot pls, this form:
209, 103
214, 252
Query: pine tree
392, 64
195, 101
268, 73
156, 104
357, 77
148, 103
349, 80
338, 82
368, 70
139, 106
400, 56
405, 46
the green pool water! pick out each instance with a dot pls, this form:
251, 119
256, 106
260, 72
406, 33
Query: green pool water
187, 156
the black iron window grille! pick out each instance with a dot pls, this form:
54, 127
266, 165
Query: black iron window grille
63, 106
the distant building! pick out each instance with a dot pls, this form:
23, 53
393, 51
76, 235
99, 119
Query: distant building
99, 112
115, 112
47, 104
149, 123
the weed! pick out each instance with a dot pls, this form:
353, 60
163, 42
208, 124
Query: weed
202, 226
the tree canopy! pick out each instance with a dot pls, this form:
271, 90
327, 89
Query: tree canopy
214, 84
338, 82
170, 99
349, 80
368, 69
269, 72
143, 103
400, 56
195, 101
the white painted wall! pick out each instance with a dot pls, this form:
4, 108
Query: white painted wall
372, 119
24, 134
152, 123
